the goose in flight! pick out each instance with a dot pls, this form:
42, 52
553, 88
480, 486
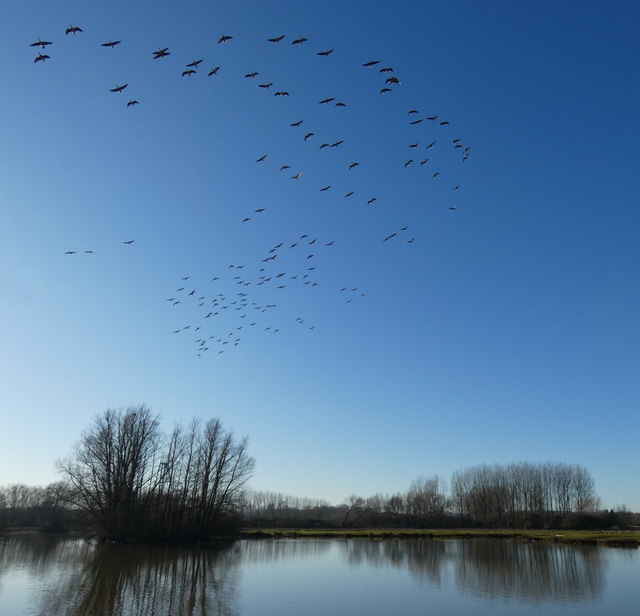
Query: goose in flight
161, 53
214, 71
384, 90
188, 72
252, 75
281, 93
266, 86
299, 41
73, 30
327, 100
111, 44
128, 242
371, 63
261, 159
224, 38
308, 135
325, 188
132, 103
350, 193
41, 57
298, 123
194, 64
352, 165
119, 88
276, 39
41, 44
389, 237
70, 252
296, 176
372, 200
325, 53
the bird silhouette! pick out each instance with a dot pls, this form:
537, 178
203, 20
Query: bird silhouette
111, 44
128, 242
41, 57
41, 44
188, 72
261, 159
352, 165
132, 103
252, 75
299, 41
213, 71
266, 86
325, 53
119, 88
298, 123
327, 100
276, 39
371, 63
224, 38
73, 30
161, 53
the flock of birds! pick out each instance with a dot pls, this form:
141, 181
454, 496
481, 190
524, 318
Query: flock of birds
215, 299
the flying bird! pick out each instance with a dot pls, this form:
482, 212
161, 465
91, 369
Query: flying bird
389, 237
261, 159
188, 72
408, 162
371, 63
193, 64
296, 176
285, 167
281, 93
340, 104
352, 165
161, 53
308, 135
298, 123
119, 88
384, 90
70, 252
326, 100
325, 53
111, 44
299, 41
432, 118
350, 193
252, 75
372, 200
132, 103
41, 57
325, 188
412, 111
259, 210
276, 39
266, 86
73, 30
213, 71
41, 44
444, 123
336, 144
224, 38
128, 242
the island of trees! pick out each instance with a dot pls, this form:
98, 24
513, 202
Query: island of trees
127, 481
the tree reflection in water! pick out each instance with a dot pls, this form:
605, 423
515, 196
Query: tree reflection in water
493, 568
120, 580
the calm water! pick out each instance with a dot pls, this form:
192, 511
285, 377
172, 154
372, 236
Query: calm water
55, 576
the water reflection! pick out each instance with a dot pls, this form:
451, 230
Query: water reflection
496, 568
116, 580
58, 576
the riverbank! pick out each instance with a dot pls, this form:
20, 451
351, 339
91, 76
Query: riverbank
624, 538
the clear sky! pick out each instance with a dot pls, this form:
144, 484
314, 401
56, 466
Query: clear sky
505, 329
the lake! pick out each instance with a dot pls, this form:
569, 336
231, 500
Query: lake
55, 576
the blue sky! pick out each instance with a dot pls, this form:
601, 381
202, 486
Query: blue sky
507, 330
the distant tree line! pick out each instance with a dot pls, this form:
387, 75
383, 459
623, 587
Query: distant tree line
129, 481
522, 495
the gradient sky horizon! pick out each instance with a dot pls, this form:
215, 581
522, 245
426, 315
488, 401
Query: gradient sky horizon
503, 330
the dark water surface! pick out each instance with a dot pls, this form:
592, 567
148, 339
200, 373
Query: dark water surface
56, 576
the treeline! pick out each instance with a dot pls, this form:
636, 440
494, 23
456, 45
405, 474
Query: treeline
522, 495
129, 481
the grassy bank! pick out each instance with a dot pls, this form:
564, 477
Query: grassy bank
612, 538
